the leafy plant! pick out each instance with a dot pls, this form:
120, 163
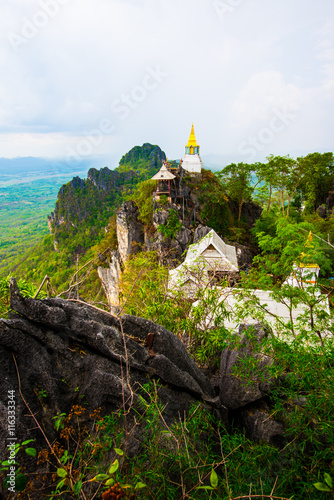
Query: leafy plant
172, 227
11, 476
327, 485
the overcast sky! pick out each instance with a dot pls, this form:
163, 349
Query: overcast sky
88, 77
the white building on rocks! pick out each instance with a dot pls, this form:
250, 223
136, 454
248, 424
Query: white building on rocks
207, 262
191, 162
210, 260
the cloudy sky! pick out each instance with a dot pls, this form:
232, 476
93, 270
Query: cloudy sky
89, 77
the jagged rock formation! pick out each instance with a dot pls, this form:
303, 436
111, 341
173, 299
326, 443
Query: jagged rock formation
62, 345
79, 199
233, 391
153, 154
132, 237
106, 179
247, 398
130, 231
110, 278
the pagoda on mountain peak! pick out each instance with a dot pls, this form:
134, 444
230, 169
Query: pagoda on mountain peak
191, 162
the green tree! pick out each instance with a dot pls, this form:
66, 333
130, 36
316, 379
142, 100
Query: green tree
142, 196
282, 246
318, 169
238, 180
282, 176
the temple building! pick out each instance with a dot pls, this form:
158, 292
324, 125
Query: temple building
208, 262
164, 184
191, 162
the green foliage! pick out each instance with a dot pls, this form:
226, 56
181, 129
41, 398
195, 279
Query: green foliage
214, 209
11, 466
327, 485
144, 292
283, 242
237, 180
23, 222
172, 226
88, 227
146, 159
192, 457
282, 176
205, 326
318, 176
142, 196
27, 289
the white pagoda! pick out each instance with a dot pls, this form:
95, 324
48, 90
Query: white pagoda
191, 162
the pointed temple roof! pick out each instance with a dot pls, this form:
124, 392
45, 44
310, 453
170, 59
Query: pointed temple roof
163, 175
308, 244
192, 139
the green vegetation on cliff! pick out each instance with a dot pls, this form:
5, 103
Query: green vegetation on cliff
299, 395
84, 210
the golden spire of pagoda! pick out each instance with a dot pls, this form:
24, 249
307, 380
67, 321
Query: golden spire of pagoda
192, 139
303, 255
309, 240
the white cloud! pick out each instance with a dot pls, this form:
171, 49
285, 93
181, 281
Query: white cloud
225, 75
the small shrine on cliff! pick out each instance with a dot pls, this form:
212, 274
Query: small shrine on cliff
191, 162
169, 178
208, 262
164, 184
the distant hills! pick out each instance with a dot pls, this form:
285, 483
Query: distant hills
32, 164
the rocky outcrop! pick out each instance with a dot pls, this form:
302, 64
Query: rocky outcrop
130, 231
67, 349
235, 392
147, 152
330, 200
184, 237
200, 232
77, 183
246, 397
110, 278
244, 255
80, 199
322, 211
54, 221
106, 179
260, 426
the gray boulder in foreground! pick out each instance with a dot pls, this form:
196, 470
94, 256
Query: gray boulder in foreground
235, 391
246, 396
69, 352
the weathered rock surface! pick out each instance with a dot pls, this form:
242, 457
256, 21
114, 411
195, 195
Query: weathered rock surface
61, 347
110, 278
130, 231
246, 398
200, 232
233, 391
244, 256
52, 219
261, 426
322, 211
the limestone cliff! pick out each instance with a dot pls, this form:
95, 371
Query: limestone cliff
133, 236
87, 200
130, 231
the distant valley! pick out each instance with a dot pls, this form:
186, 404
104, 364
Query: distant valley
28, 193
